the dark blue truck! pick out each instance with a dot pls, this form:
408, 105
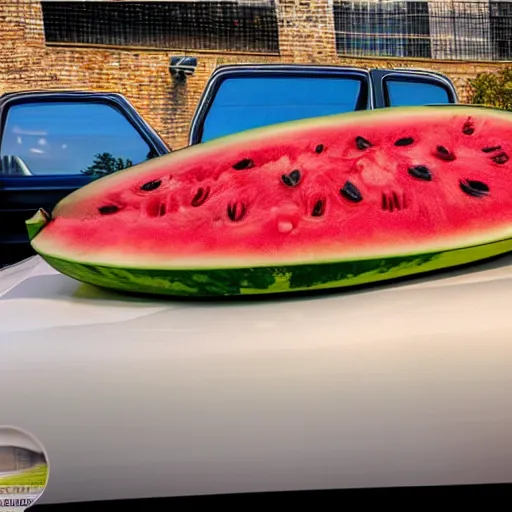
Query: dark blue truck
53, 142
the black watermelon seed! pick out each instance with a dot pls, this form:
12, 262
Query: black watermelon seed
444, 154
406, 141
201, 196
286, 180
295, 175
491, 149
244, 164
474, 188
501, 159
319, 208
468, 127
351, 192
292, 179
151, 185
384, 202
236, 211
362, 143
108, 209
420, 172
319, 148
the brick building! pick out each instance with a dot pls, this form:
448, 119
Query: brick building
89, 46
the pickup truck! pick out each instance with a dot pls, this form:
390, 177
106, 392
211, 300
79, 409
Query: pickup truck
141, 401
52, 142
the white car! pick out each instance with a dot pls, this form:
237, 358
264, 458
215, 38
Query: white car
404, 384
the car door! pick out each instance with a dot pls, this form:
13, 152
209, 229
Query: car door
55, 142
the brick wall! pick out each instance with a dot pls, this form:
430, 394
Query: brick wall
306, 34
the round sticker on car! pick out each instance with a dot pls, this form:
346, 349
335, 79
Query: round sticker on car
24, 469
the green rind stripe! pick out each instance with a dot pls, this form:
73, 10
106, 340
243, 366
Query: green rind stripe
266, 280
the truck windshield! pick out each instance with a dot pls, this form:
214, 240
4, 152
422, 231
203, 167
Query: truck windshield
242, 103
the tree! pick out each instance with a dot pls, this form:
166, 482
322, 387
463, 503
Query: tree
492, 89
106, 163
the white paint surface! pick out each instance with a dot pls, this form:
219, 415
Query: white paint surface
400, 385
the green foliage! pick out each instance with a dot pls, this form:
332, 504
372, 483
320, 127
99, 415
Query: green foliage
105, 163
492, 89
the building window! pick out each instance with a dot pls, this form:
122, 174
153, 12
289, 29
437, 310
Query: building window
501, 29
393, 29
238, 26
460, 30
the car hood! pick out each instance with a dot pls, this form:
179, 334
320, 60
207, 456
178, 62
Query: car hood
403, 384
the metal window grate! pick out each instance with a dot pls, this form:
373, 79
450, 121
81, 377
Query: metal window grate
501, 30
389, 28
238, 26
438, 29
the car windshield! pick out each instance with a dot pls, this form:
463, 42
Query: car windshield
71, 138
242, 103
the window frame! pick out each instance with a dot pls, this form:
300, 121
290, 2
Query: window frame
414, 75
240, 8
223, 73
155, 144
396, 77
375, 12
500, 13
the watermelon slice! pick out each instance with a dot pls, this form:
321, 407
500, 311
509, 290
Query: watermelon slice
328, 202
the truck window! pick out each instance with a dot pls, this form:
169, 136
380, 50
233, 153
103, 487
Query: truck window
64, 137
243, 103
408, 93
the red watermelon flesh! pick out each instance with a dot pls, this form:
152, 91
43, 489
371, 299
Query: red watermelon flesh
364, 186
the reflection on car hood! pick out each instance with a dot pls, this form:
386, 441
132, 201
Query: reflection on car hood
55, 300
403, 384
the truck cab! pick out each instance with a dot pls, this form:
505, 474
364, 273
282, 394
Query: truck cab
53, 142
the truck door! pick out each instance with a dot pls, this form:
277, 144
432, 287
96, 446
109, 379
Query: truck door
52, 143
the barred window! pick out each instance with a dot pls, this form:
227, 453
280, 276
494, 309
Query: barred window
236, 25
391, 28
460, 29
501, 29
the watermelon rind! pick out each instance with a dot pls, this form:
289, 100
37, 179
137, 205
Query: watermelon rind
37, 222
203, 282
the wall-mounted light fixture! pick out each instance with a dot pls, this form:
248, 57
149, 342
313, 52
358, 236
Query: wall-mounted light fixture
181, 67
